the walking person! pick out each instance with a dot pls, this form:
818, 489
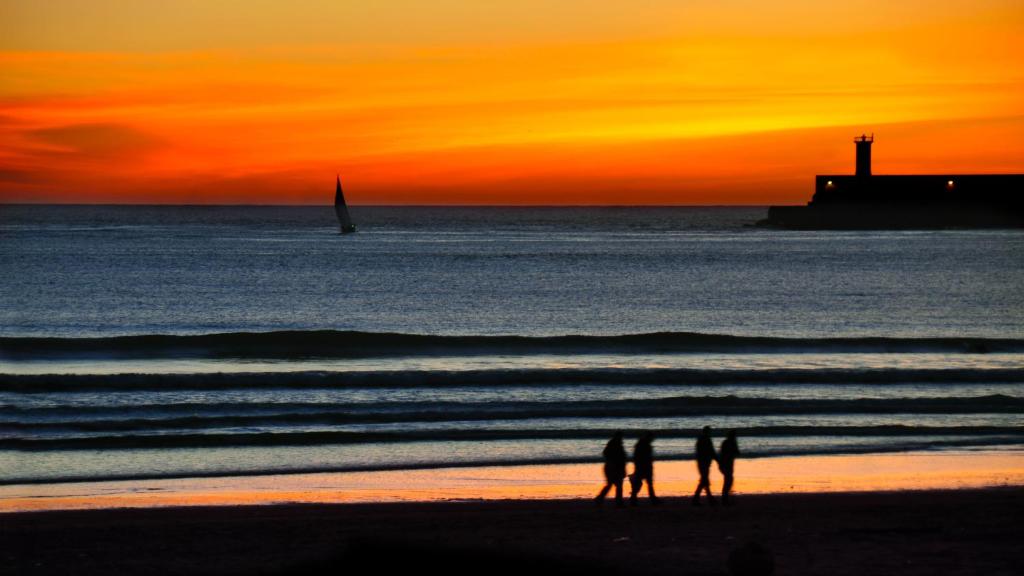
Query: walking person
614, 469
643, 468
705, 454
726, 462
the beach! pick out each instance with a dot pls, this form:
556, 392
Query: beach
914, 532
835, 473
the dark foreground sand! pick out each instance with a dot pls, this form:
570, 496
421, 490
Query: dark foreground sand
954, 532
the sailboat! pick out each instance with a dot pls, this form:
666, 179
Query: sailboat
341, 209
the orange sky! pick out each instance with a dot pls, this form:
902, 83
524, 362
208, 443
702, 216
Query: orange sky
524, 102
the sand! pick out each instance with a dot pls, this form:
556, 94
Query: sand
914, 532
930, 470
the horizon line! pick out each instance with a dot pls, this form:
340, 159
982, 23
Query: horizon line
239, 205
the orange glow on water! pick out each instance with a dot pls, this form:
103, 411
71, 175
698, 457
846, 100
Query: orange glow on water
670, 103
851, 473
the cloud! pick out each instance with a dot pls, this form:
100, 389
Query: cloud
100, 140
15, 176
44, 163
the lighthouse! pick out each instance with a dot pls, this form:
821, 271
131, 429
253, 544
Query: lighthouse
905, 201
864, 154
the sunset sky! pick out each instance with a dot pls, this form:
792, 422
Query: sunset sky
497, 102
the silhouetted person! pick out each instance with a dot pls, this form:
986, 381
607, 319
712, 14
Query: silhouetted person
643, 468
614, 468
726, 459
705, 454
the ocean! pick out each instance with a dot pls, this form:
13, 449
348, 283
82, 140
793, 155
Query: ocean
182, 342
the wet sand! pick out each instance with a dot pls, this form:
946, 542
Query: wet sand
944, 470
915, 532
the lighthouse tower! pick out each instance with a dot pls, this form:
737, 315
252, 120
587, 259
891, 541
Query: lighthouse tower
864, 154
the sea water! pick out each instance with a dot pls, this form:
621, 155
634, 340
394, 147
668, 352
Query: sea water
846, 342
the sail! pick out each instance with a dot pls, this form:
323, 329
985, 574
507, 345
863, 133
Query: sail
341, 209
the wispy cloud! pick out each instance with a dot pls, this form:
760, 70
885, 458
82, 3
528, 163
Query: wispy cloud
107, 141
446, 116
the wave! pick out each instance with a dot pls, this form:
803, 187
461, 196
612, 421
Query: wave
298, 344
27, 384
219, 415
903, 446
263, 439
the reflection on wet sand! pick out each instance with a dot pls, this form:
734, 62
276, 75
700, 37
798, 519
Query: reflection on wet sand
843, 473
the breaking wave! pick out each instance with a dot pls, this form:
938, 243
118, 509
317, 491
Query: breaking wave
355, 344
28, 384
